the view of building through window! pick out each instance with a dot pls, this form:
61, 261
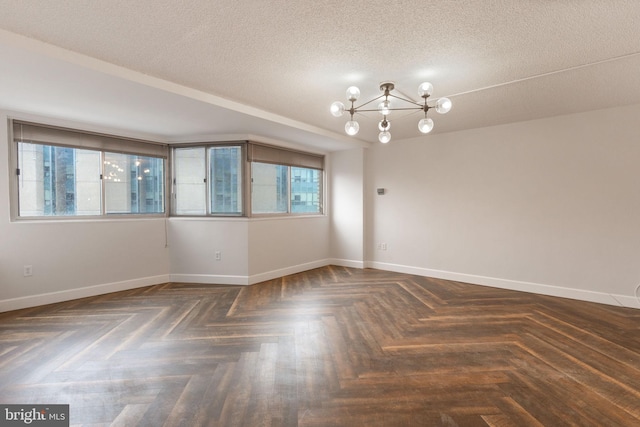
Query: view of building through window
133, 184
225, 176
273, 186
269, 188
221, 169
62, 181
305, 190
189, 169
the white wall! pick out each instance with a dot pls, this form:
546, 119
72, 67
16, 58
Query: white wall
250, 250
72, 259
549, 206
193, 243
346, 184
281, 246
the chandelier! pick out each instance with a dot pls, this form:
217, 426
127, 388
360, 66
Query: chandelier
425, 125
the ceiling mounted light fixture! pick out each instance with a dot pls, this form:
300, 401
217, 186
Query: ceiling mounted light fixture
425, 125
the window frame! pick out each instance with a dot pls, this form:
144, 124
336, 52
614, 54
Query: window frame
78, 139
269, 154
251, 151
90, 141
207, 179
321, 182
289, 195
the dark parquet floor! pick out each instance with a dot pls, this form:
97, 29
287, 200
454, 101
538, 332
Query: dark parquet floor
329, 347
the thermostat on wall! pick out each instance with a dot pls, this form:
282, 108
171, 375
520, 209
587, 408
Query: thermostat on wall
380, 191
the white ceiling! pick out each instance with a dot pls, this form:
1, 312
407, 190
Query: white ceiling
184, 71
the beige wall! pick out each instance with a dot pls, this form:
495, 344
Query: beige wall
550, 206
347, 207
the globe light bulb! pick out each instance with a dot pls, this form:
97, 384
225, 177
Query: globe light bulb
384, 137
384, 107
443, 105
352, 127
383, 125
425, 125
337, 109
425, 89
353, 93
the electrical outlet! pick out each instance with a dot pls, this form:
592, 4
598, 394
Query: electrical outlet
379, 246
27, 270
384, 246
218, 255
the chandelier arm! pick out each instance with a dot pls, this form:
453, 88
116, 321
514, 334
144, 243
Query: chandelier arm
406, 100
368, 102
419, 107
365, 111
390, 109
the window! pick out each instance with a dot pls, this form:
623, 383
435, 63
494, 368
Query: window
189, 166
133, 184
225, 176
305, 190
66, 173
283, 189
208, 180
269, 188
285, 181
58, 181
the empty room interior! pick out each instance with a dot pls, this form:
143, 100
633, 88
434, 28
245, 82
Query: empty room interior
364, 213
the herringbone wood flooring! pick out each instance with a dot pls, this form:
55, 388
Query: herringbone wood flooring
329, 347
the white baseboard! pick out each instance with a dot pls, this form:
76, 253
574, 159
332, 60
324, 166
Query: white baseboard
210, 279
274, 274
71, 294
347, 263
557, 291
219, 279
537, 288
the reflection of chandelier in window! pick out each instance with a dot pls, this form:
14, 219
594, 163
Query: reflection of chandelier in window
425, 125
112, 171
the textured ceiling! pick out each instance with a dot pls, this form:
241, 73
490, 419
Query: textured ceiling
274, 67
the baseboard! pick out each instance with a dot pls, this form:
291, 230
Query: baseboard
347, 263
537, 288
210, 279
71, 294
89, 291
219, 279
274, 274
557, 291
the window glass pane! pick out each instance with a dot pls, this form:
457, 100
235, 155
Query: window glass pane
190, 188
58, 181
225, 180
133, 184
305, 190
269, 188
